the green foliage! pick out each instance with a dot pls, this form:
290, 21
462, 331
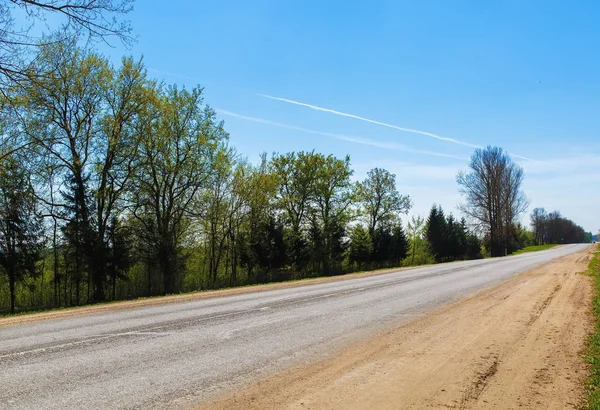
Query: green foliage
361, 246
20, 226
380, 201
449, 239
593, 350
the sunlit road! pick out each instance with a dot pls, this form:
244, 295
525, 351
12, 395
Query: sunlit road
177, 355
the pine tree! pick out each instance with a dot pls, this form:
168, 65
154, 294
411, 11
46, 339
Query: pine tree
360, 246
436, 233
401, 244
20, 226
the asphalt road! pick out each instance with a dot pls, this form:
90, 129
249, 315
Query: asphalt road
180, 354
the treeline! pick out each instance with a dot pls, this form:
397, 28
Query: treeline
113, 186
552, 228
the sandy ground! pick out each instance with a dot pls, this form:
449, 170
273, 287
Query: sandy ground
163, 300
516, 345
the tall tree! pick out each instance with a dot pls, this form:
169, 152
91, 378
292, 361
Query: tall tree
436, 233
539, 217
177, 153
416, 227
295, 173
361, 246
82, 114
493, 194
332, 196
20, 226
380, 201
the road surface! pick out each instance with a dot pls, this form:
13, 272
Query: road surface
182, 354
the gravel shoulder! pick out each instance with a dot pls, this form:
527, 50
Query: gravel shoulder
516, 345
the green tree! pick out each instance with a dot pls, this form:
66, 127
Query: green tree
380, 202
436, 233
361, 246
416, 227
401, 245
177, 154
295, 174
332, 195
20, 226
81, 116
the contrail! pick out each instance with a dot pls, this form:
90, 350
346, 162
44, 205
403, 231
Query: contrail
356, 140
384, 124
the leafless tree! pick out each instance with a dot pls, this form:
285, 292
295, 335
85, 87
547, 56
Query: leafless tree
493, 194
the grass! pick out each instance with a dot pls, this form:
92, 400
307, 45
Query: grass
592, 355
534, 249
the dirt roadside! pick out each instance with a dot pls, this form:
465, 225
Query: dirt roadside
517, 345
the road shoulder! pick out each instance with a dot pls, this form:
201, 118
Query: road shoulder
516, 345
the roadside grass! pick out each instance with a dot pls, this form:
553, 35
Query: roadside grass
534, 249
592, 354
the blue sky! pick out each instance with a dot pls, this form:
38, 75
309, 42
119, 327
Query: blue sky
523, 75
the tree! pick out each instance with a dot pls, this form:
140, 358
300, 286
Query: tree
20, 226
90, 20
416, 227
361, 246
178, 151
553, 228
400, 245
331, 197
493, 194
539, 217
81, 114
261, 242
295, 173
380, 201
436, 233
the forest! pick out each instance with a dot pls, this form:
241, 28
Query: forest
116, 186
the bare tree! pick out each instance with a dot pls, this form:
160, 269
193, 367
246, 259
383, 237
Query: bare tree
494, 198
539, 216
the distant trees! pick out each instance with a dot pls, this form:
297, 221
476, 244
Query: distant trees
493, 196
552, 228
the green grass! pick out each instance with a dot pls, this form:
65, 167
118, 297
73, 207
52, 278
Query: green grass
534, 249
592, 355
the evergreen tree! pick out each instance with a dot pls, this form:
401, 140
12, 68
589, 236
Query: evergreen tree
401, 245
436, 233
20, 226
361, 246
